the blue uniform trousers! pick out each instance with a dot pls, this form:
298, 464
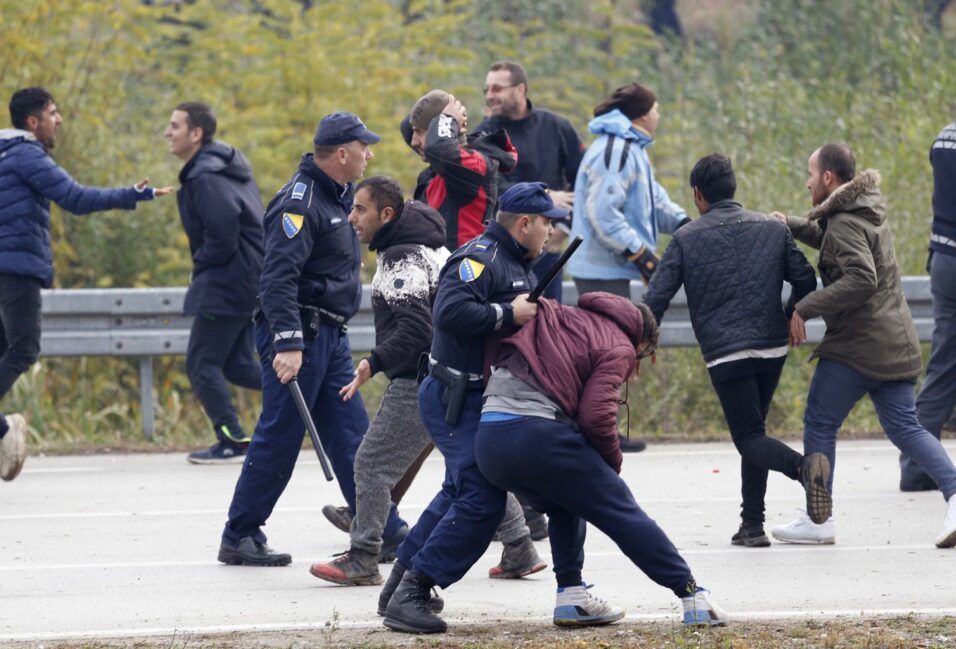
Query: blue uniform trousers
557, 470
326, 367
459, 523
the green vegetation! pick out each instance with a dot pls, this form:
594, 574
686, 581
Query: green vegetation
765, 81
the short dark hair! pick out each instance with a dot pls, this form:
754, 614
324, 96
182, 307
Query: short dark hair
714, 176
384, 192
28, 102
633, 99
200, 115
650, 331
516, 70
838, 160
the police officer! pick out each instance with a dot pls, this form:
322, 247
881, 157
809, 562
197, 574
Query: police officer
482, 292
308, 291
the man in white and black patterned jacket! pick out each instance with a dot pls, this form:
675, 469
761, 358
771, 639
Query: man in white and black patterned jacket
409, 241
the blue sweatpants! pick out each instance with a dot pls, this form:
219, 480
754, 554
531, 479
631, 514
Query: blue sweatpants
558, 471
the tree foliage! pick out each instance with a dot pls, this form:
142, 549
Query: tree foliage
766, 89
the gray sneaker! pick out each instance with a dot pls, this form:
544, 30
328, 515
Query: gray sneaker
13, 447
518, 560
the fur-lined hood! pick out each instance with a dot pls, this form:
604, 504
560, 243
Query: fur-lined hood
861, 196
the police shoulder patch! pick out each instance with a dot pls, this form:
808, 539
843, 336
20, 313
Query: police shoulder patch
298, 191
291, 223
469, 270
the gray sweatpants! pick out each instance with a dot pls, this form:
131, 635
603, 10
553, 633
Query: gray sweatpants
395, 437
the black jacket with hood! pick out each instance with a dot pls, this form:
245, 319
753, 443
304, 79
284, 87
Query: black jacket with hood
221, 212
411, 253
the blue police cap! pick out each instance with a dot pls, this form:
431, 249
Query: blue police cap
530, 198
342, 127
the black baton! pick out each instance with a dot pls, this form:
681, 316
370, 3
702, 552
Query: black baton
555, 270
310, 426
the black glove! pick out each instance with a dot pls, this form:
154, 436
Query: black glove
646, 261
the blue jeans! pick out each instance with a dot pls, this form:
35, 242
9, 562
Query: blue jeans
938, 396
834, 391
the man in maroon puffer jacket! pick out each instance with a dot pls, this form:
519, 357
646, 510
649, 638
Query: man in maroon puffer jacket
548, 433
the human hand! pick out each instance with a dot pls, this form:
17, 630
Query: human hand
798, 330
780, 216
363, 372
287, 364
563, 200
523, 310
457, 110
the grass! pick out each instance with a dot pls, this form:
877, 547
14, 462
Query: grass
910, 632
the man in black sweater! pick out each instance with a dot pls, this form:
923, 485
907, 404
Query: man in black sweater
732, 264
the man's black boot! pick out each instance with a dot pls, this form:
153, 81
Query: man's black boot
250, 553
408, 610
436, 603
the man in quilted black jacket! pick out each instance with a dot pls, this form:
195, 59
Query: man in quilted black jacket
732, 264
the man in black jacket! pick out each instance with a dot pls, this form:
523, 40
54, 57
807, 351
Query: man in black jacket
732, 264
409, 241
221, 213
549, 150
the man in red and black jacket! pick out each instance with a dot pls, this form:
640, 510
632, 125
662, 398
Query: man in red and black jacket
461, 181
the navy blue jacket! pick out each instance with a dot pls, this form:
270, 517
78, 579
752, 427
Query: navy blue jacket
312, 254
29, 180
943, 158
221, 212
476, 286
732, 264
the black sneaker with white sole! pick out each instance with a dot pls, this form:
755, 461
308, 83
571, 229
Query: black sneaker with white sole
219, 453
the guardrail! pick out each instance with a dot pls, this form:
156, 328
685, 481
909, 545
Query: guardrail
148, 322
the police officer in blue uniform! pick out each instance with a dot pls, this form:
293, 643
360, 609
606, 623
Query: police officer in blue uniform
309, 289
482, 292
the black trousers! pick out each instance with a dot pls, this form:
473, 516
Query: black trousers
745, 389
19, 327
221, 350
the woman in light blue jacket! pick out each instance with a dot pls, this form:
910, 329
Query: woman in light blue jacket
618, 206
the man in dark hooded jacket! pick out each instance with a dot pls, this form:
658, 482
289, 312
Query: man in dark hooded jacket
409, 239
29, 180
221, 212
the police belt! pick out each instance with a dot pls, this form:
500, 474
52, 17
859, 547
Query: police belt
457, 385
312, 317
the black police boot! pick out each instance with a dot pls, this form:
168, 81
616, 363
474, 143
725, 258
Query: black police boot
390, 545
408, 610
250, 553
436, 603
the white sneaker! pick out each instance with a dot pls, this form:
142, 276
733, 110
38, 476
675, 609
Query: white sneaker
575, 606
13, 447
947, 538
700, 610
805, 531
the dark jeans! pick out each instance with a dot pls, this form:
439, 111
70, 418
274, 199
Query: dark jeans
19, 327
621, 287
557, 470
221, 349
938, 394
834, 391
745, 389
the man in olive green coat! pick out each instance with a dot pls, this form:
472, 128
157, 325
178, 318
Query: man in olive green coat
870, 346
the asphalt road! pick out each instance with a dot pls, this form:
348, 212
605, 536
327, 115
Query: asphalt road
125, 545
